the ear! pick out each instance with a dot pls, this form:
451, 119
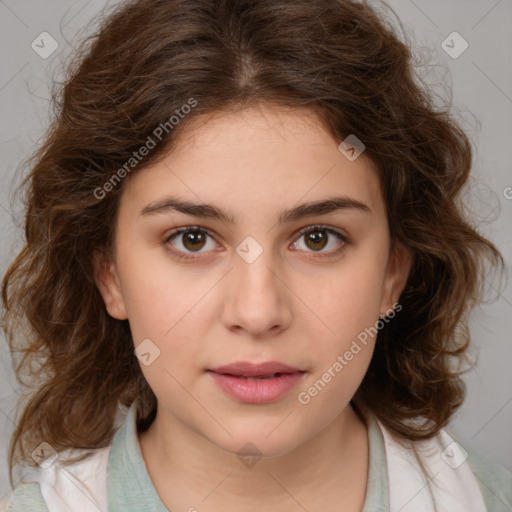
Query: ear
397, 273
108, 283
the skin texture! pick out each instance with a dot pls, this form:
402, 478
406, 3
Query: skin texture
290, 305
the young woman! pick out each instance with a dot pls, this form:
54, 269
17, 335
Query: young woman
247, 272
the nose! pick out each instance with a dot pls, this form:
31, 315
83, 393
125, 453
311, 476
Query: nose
257, 297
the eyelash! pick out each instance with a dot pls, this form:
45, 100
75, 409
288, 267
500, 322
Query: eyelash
343, 238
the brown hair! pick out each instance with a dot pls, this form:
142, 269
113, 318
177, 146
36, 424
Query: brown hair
338, 58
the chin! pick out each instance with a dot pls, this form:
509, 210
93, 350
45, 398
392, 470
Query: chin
257, 445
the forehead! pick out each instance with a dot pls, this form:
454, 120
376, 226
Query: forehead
261, 157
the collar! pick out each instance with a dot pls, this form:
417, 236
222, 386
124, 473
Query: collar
129, 486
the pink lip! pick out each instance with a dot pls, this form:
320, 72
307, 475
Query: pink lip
248, 369
231, 380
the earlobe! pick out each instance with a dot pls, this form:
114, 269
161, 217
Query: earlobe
109, 286
397, 274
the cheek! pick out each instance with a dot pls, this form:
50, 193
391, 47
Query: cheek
329, 390
158, 297
349, 303
168, 308
342, 355
173, 327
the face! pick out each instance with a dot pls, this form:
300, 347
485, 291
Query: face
259, 285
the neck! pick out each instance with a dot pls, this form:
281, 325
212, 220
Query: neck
332, 465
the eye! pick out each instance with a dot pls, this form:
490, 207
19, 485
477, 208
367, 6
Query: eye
318, 237
193, 239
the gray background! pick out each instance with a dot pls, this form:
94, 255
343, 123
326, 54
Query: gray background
481, 82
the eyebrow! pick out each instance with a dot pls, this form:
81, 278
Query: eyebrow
202, 210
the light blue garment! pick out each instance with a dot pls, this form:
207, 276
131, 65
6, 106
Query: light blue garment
130, 489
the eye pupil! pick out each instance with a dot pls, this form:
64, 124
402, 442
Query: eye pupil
194, 237
318, 237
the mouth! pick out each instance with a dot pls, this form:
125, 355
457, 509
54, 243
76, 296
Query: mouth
256, 384
258, 377
246, 369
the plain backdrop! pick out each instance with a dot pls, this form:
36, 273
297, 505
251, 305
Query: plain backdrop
477, 81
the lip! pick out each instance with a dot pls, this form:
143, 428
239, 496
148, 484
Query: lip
231, 380
248, 369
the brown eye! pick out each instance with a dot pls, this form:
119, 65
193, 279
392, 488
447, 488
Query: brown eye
193, 240
317, 238
188, 240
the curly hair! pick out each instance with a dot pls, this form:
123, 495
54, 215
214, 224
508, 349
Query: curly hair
148, 58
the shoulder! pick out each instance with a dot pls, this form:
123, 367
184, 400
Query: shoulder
495, 481
61, 486
444, 470
24, 497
